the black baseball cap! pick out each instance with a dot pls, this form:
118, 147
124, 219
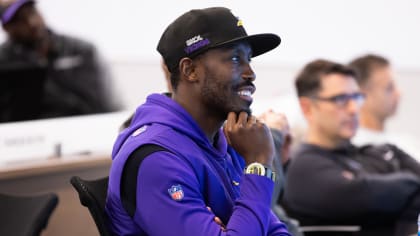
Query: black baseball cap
8, 9
198, 30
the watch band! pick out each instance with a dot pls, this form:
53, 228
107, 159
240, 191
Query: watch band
261, 170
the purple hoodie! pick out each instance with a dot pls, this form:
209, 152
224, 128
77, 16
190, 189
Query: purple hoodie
175, 188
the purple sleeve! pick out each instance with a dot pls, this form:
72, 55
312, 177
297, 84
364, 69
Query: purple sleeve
276, 227
184, 212
253, 207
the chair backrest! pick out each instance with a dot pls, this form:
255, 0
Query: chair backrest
92, 194
26, 215
311, 226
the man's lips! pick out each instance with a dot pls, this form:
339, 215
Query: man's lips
246, 92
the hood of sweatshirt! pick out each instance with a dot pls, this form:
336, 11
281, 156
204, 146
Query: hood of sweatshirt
161, 109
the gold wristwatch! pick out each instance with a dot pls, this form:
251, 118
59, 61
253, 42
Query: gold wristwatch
259, 169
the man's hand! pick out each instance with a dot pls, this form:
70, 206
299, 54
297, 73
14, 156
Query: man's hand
218, 221
250, 138
279, 122
276, 121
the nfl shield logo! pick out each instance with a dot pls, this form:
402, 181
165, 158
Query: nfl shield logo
176, 192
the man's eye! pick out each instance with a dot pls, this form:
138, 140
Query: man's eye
236, 59
340, 98
390, 88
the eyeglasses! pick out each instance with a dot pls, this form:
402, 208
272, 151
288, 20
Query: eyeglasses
343, 100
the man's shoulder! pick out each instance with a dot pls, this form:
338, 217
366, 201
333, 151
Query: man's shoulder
6, 49
305, 150
4, 46
161, 135
131, 140
63, 41
385, 152
150, 133
310, 158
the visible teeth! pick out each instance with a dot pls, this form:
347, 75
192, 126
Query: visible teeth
245, 93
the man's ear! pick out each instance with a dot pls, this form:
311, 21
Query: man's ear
366, 89
305, 105
188, 69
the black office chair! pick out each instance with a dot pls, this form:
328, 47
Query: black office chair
92, 194
331, 230
25, 215
316, 227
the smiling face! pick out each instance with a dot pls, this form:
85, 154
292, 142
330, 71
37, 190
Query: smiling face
227, 83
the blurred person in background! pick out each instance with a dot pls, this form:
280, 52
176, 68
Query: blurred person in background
280, 130
76, 83
376, 79
330, 181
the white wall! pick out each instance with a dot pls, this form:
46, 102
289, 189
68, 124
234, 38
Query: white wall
339, 30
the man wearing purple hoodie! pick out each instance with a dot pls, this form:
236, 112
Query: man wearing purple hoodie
196, 165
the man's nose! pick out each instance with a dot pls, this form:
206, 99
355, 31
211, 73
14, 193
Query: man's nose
248, 73
33, 21
353, 106
398, 94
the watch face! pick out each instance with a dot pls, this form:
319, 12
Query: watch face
255, 168
259, 169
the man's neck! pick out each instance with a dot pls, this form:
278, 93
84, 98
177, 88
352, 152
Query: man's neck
208, 123
41, 47
322, 141
369, 121
210, 128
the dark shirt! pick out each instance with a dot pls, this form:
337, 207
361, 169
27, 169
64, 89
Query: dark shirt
350, 185
292, 225
76, 82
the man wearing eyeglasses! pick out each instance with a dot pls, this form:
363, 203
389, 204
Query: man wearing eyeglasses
331, 181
